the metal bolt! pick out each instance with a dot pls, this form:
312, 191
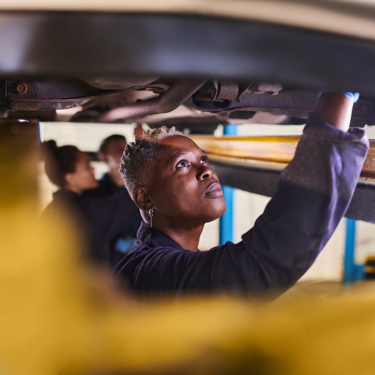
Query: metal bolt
21, 88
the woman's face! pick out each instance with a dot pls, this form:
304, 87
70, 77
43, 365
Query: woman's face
83, 177
185, 190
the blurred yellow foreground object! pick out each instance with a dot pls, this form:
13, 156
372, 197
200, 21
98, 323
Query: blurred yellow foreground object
58, 316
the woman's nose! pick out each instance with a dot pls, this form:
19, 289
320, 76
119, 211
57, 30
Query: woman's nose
205, 172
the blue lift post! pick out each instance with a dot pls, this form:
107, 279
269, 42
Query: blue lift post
352, 271
227, 220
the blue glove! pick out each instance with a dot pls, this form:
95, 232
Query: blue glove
351, 95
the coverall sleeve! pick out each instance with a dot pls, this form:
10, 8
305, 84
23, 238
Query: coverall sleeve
313, 194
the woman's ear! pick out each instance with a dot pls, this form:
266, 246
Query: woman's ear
141, 198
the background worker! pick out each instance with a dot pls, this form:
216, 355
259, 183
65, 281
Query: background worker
110, 152
172, 183
110, 185
70, 170
100, 223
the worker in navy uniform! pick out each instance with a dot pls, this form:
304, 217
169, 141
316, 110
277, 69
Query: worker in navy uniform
98, 222
110, 184
110, 152
70, 170
172, 183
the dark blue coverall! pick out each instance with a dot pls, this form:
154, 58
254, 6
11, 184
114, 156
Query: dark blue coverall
105, 189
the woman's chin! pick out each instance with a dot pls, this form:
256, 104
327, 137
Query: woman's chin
217, 210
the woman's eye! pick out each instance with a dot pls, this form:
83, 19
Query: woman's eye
182, 164
204, 160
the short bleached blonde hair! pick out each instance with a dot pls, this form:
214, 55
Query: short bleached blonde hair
138, 158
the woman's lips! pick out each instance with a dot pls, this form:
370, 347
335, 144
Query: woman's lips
214, 190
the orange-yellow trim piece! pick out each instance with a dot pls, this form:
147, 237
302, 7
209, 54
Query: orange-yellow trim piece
265, 151
273, 149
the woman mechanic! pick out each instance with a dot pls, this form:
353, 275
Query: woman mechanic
177, 192
100, 223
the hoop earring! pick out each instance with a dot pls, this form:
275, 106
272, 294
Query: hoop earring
151, 214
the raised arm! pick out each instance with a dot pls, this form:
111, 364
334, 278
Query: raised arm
314, 192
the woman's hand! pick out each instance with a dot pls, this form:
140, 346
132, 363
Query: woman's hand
336, 109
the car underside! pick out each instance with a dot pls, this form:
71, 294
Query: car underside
133, 66
209, 102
